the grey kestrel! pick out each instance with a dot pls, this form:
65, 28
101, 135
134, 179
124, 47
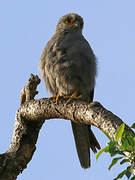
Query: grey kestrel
68, 66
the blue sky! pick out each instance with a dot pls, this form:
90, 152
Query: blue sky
25, 28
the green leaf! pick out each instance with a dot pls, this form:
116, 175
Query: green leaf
113, 150
133, 178
128, 173
130, 138
127, 141
105, 149
120, 175
124, 161
114, 161
106, 135
133, 126
119, 132
126, 147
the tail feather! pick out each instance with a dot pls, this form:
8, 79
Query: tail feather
81, 136
84, 140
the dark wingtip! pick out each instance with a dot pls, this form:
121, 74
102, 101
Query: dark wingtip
98, 146
94, 145
93, 148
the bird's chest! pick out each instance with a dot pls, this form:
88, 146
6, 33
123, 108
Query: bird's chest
66, 54
67, 49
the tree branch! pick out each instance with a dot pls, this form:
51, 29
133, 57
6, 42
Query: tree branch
31, 116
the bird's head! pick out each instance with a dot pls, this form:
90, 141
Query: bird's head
70, 22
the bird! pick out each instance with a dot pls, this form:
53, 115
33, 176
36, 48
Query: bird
68, 67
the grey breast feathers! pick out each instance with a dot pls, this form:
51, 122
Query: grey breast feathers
67, 63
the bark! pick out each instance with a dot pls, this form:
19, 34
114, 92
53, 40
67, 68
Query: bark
31, 116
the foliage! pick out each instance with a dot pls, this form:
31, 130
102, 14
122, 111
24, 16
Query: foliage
124, 147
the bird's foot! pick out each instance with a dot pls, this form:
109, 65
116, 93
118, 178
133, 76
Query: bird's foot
68, 98
74, 96
56, 98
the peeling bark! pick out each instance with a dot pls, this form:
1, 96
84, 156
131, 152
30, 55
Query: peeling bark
31, 116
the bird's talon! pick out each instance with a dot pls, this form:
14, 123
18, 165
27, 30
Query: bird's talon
58, 97
52, 98
73, 96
